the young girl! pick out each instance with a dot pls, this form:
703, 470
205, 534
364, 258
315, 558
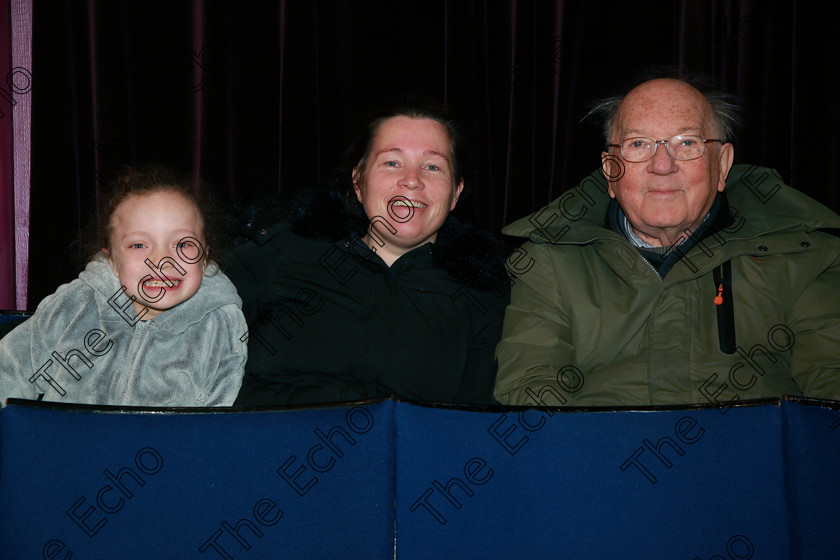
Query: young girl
151, 321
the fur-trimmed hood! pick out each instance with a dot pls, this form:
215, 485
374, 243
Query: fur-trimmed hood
471, 255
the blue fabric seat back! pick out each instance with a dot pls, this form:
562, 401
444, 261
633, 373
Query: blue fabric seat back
11, 319
364, 480
291, 484
668, 484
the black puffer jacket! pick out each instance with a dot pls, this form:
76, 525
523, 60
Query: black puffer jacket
330, 321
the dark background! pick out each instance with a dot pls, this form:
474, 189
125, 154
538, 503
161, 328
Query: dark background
264, 97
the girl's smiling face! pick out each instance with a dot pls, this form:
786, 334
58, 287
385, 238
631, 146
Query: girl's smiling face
164, 228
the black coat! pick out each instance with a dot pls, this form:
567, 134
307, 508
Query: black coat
330, 321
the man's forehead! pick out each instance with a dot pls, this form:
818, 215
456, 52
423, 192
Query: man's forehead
673, 101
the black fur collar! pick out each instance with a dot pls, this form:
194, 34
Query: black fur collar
471, 255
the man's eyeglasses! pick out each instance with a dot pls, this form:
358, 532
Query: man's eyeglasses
683, 147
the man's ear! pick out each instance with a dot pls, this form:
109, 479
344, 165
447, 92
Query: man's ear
725, 159
355, 177
456, 195
608, 166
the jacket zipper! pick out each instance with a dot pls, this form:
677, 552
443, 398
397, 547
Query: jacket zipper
722, 276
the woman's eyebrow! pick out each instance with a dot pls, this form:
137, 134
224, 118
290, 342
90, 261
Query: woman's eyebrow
399, 150
434, 153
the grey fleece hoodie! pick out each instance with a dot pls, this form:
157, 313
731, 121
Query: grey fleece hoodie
80, 348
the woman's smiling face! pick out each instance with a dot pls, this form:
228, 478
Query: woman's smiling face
407, 187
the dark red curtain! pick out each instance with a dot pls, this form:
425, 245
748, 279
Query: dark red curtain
7, 191
260, 97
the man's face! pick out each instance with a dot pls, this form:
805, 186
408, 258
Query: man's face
663, 197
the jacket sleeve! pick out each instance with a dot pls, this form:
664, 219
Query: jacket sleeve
477, 380
222, 378
251, 266
814, 320
247, 270
16, 363
536, 339
25, 353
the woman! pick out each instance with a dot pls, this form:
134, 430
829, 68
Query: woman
383, 295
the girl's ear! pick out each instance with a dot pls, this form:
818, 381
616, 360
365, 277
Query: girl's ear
107, 254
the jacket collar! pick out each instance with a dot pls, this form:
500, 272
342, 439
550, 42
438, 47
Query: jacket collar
760, 203
216, 290
472, 256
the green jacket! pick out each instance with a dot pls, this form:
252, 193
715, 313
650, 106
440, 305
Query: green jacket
591, 323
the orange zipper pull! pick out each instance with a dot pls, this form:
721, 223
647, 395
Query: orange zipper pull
719, 297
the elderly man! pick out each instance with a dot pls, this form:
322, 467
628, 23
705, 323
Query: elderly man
657, 280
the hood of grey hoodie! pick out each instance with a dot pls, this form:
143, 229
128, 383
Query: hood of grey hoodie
190, 355
215, 291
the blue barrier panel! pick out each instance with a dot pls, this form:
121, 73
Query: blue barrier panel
9, 320
17, 316
691, 483
305, 483
754, 481
812, 434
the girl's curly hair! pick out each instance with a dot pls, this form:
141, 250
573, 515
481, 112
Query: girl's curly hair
149, 179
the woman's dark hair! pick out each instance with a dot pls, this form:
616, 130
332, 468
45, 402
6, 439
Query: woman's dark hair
359, 152
150, 179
